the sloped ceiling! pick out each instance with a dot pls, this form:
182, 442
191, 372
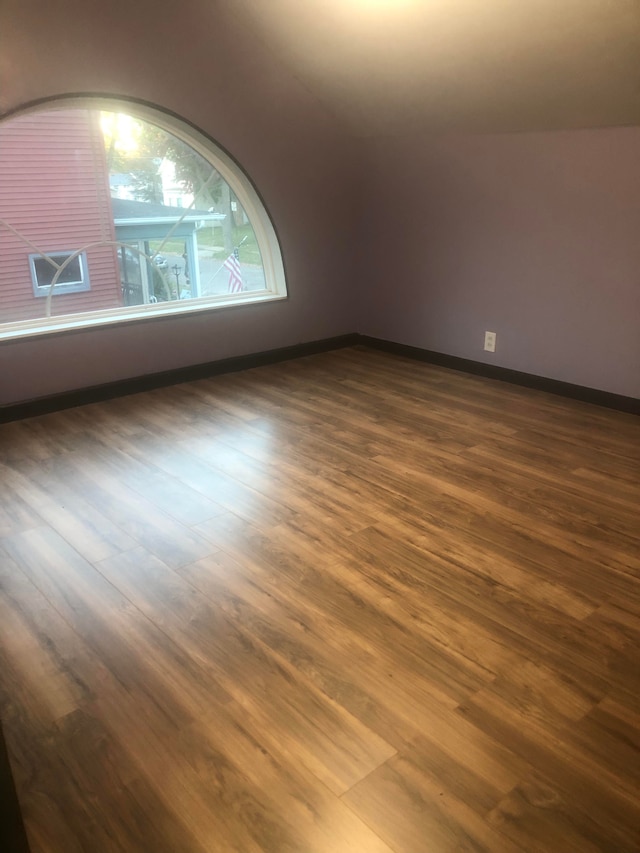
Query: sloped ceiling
397, 66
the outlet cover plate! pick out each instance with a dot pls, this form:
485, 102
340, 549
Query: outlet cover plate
490, 341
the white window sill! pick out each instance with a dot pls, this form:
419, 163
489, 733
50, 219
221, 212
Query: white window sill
159, 311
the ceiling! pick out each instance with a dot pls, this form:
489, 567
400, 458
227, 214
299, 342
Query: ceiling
388, 66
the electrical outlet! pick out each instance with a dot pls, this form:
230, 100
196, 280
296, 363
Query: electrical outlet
490, 341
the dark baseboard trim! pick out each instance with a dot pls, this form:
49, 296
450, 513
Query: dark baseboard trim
505, 374
99, 393
108, 391
13, 838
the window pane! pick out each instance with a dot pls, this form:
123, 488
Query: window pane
45, 271
155, 220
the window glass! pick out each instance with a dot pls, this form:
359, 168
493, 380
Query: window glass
159, 218
66, 271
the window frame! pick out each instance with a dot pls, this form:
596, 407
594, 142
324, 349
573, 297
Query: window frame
43, 290
229, 170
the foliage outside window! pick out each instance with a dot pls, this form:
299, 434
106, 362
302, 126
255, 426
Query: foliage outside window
163, 221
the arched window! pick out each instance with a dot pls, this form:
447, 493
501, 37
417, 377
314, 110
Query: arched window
113, 211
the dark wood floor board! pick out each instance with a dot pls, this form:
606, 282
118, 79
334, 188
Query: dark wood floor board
474, 540
516, 506
42, 695
564, 812
520, 407
426, 816
53, 502
427, 412
331, 418
155, 747
434, 507
412, 655
47, 800
238, 771
354, 674
151, 413
330, 741
316, 494
246, 438
221, 778
305, 643
450, 525
24, 440
119, 811
140, 519
487, 582
365, 680
401, 441
612, 460
462, 773
236, 399
51, 564
40, 688
53, 777
37, 638
465, 642
463, 390
522, 624
119, 418
393, 586
604, 514
621, 621
333, 599
418, 703
402, 397
544, 462
320, 641
529, 580
369, 401
261, 395
442, 551
542, 468
350, 602
164, 420
316, 820
537, 816
130, 646
220, 488
610, 732
16, 513
625, 488
164, 491
596, 786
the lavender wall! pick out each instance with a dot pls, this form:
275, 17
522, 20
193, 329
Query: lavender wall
196, 59
534, 236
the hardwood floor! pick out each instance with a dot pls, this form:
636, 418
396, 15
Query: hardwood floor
345, 604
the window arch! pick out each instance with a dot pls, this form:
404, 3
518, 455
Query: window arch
112, 211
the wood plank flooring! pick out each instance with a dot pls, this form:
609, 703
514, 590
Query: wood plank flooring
345, 604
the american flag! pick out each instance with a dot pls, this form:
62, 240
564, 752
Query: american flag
235, 273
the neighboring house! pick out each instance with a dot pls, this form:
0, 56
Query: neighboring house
121, 186
54, 191
139, 223
173, 190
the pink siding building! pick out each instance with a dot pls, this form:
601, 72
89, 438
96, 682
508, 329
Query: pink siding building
54, 191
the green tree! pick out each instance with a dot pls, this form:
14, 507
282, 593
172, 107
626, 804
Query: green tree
137, 148
204, 182
135, 155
